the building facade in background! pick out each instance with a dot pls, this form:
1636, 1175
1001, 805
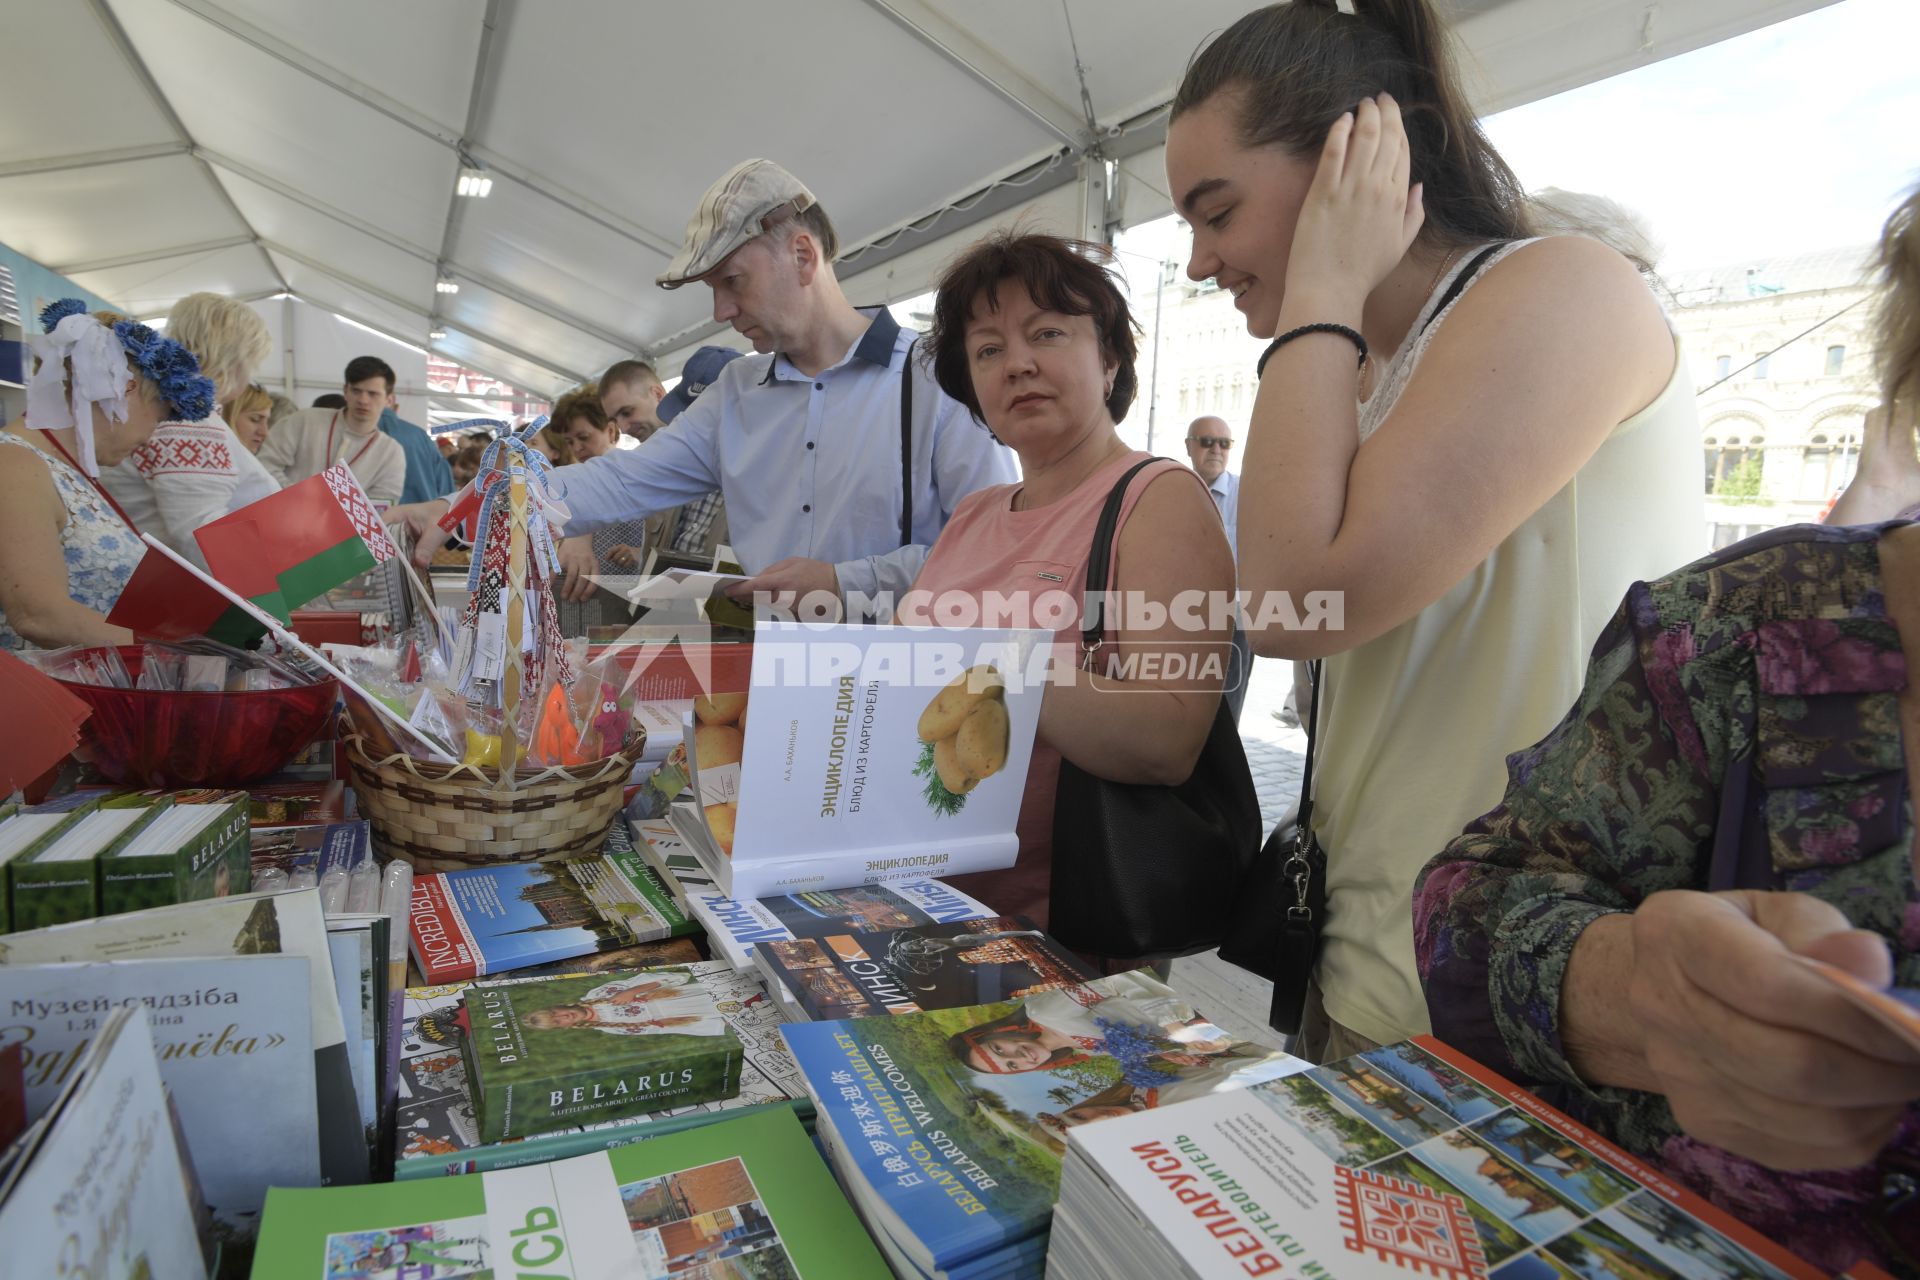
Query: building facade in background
1780, 350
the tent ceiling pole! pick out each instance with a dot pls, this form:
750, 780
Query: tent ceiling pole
401, 114
407, 247
386, 332
138, 65
483, 67
395, 300
314, 203
152, 255
92, 159
956, 45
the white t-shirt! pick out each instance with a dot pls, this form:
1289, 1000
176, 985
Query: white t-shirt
308, 442
186, 475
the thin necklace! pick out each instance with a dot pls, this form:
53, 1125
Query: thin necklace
1367, 366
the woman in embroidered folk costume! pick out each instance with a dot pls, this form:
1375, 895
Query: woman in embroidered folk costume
1473, 439
100, 387
190, 473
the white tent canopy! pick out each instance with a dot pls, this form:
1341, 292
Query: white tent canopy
266, 147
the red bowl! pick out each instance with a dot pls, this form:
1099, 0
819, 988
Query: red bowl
161, 738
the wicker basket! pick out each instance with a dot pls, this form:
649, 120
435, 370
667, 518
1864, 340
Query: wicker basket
447, 817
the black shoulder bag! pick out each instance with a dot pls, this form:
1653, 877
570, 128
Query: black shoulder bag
1140, 869
1276, 930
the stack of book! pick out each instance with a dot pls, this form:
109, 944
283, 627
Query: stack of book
896, 971
743, 1197
1405, 1160
98, 854
272, 1084
947, 1127
487, 920
440, 1125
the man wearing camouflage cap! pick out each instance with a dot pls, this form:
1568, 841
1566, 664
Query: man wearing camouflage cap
825, 489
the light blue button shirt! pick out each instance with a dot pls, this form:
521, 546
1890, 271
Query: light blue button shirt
807, 466
1226, 496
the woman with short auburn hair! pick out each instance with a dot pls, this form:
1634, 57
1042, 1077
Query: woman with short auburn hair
1033, 335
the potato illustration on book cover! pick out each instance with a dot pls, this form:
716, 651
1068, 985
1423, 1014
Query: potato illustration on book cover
964, 737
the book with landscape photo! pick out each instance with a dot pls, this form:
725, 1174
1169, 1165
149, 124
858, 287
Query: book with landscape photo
1410, 1159
561, 1052
948, 1126
936, 966
862, 755
744, 1198
223, 1028
437, 1132
736, 929
485, 920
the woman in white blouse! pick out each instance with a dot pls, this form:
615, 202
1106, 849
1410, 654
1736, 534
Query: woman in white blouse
192, 473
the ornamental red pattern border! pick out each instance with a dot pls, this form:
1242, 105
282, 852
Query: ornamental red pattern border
1408, 1226
180, 449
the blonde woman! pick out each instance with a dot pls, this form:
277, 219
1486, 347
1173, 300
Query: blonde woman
193, 472
250, 414
1887, 481
103, 383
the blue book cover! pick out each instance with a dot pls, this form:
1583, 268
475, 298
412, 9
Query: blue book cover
948, 1125
467, 924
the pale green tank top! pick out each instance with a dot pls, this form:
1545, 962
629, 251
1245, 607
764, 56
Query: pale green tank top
1416, 724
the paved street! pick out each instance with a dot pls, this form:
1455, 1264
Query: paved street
1275, 752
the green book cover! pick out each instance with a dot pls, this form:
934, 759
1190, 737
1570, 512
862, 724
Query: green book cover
60, 880
589, 1047
747, 1198
21, 837
205, 856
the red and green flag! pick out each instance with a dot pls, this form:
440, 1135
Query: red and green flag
299, 543
166, 599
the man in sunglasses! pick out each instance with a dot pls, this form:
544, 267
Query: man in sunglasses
1209, 442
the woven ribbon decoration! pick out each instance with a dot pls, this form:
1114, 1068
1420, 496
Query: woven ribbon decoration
489, 582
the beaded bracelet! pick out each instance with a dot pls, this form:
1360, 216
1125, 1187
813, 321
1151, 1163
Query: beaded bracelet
1351, 335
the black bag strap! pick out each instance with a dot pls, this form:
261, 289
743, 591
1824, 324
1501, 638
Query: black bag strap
906, 446
1461, 281
1100, 561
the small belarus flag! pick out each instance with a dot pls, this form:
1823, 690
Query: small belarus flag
301, 542
166, 600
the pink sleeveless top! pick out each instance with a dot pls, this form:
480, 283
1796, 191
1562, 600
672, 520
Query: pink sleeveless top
1037, 559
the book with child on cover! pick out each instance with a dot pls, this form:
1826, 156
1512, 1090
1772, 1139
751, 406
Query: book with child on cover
438, 1135
1410, 1159
936, 966
569, 1051
948, 1126
862, 755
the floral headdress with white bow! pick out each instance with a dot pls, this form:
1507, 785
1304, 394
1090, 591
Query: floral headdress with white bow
102, 361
